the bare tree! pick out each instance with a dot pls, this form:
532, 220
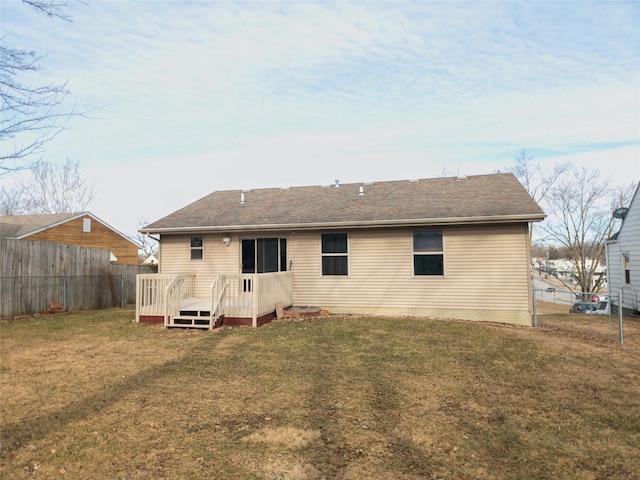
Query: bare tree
51, 8
450, 173
30, 116
539, 250
621, 195
11, 202
581, 221
49, 189
534, 178
148, 244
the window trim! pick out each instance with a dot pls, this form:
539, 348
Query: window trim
440, 252
324, 255
193, 248
626, 268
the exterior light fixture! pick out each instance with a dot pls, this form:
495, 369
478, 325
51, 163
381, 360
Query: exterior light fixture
226, 241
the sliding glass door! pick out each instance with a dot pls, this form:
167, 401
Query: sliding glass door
263, 255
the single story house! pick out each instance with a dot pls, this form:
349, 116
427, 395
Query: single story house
454, 247
81, 229
623, 256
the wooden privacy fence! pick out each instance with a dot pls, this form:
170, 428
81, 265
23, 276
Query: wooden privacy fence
26, 295
33, 274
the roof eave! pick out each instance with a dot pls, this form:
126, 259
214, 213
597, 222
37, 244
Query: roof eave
42, 228
359, 224
75, 216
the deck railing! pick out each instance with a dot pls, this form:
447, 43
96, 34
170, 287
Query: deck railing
272, 288
251, 295
218, 291
151, 291
150, 288
182, 287
238, 299
233, 295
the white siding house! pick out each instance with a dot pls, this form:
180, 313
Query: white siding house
623, 258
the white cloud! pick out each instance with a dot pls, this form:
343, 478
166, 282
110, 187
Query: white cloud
239, 94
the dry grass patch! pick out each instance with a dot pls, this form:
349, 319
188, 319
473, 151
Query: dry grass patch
594, 328
288, 437
94, 395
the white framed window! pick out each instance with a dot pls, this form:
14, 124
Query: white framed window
428, 252
86, 225
197, 248
335, 258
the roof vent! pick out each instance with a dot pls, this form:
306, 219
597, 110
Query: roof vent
361, 192
414, 180
337, 184
242, 198
461, 177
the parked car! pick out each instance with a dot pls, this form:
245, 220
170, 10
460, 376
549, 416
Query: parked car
601, 308
582, 307
552, 289
594, 297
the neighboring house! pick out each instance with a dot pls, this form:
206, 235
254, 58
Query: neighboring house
623, 256
151, 260
393, 248
566, 268
82, 229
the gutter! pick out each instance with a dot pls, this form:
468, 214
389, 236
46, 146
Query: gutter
351, 224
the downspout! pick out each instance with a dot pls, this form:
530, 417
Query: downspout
532, 298
607, 269
607, 272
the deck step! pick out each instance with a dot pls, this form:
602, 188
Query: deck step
194, 313
192, 321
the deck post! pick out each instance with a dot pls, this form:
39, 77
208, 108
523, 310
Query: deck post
254, 301
535, 310
165, 308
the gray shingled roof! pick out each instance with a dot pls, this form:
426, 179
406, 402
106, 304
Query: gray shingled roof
451, 200
17, 226
21, 226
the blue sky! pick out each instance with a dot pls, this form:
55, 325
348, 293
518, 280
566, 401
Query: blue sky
190, 97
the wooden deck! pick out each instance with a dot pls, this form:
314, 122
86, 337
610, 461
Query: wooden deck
196, 303
235, 299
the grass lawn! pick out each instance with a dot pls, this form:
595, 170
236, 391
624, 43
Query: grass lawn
94, 395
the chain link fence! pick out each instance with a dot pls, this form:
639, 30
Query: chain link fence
593, 314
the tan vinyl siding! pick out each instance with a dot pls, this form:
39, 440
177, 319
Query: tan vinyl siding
175, 257
486, 272
486, 269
